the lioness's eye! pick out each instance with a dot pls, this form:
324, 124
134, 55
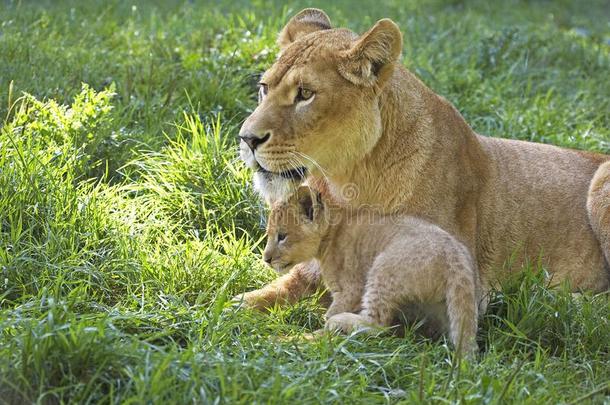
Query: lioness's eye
303, 94
281, 237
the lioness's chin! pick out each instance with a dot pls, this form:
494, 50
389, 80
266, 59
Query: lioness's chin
274, 187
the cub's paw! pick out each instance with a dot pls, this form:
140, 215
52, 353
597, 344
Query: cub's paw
346, 322
333, 310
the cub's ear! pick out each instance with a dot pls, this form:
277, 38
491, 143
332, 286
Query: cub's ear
372, 58
310, 202
306, 22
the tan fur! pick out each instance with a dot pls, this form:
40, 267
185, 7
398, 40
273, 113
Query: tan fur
375, 129
378, 266
598, 205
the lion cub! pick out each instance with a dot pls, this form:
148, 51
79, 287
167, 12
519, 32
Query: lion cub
378, 267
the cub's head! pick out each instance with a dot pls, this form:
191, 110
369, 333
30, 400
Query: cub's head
295, 229
318, 106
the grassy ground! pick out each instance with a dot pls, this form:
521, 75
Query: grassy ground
126, 221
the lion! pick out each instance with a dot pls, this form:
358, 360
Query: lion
338, 111
378, 267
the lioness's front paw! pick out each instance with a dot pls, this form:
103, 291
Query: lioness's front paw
257, 299
346, 322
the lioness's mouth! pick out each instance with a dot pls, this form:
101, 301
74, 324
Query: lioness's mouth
292, 174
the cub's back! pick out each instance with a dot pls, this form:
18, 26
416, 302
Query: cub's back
406, 236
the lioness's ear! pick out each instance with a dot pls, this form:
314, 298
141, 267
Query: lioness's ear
306, 22
372, 58
309, 202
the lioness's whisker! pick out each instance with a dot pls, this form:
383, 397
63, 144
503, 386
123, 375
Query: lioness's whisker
316, 164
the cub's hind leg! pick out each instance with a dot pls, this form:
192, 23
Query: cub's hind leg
436, 269
598, 207
462, 297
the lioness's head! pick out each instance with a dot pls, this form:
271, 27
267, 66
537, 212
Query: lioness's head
295, 229
319, 103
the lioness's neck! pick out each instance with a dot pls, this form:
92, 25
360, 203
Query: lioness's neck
419, 131
411, 95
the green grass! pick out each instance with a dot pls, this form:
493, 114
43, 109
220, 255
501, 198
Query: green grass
127, 221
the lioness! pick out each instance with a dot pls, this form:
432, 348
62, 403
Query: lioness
339, 110
377, 267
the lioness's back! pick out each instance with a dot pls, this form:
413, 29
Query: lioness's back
535, 203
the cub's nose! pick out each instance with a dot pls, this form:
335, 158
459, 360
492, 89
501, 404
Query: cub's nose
254, 141
267, 258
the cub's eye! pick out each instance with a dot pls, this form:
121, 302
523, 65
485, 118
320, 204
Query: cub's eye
303, 94
281, 237
262, 91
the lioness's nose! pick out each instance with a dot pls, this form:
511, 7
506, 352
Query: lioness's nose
254, 141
